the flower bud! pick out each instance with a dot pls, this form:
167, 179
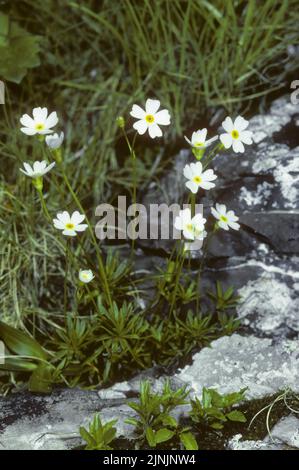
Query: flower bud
121, 122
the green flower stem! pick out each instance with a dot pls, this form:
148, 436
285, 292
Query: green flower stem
178, 265
212, 155
193, 201
43, 204
204, 253
92, 299
98, 253
65, 281
133, 156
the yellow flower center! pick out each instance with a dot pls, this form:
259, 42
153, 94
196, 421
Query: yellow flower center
223, 218
235, 134
39, 127
197, 179
198, 144
189, 227
69, 226
149, 118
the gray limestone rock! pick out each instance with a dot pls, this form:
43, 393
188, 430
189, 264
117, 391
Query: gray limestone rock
49, 422
284, 436
234, 362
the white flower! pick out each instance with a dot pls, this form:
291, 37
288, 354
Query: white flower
38, 169
150, 119
70, 224
198, 139
54, 141
193, 227
225, 218
86, 275
236, 135
41, 123
198, 178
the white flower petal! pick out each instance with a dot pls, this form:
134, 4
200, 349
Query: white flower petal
28, 131
69, 233
52, 120
238, 147
28, 168
209, 175
162, 117
231, 216
227, 140
241, 123
152, 106
27, 121
234, 225
185, 215
178, 223
154, 131
54, 141
210, 141
140, 126
45, 131
197, 168
77, 218
221, 208
215, 213
187, 140
199, 136
188, 172
40, 114
64, 217
227, 124
207, 185
37, 167
137, 112
86, 275
199, 221
188, 234
246, 137
81, 227
223, 225
192, 186
58, 224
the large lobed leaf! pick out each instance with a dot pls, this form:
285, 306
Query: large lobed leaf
18, 50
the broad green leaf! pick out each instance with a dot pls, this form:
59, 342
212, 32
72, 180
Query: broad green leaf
169, 421
189, 441
217, 425
216, 413
4, 29
18, 50
86, 436
236, 416
163, 435
21, 343
110, 435
150, 436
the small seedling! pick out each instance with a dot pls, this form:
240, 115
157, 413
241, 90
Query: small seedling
214, 409
99, 436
